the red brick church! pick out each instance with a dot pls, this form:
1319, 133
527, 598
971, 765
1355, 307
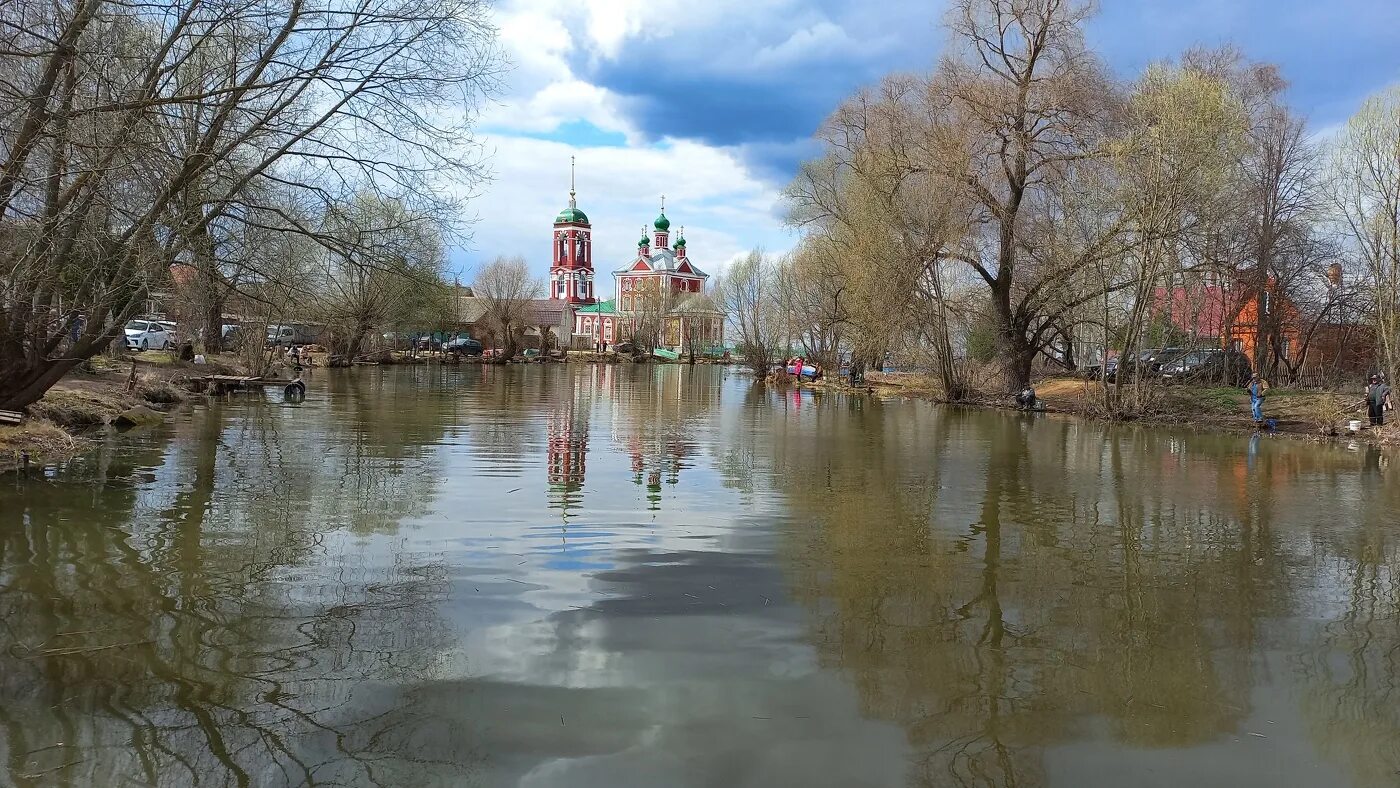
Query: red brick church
661, 277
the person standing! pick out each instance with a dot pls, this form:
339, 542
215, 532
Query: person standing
1378, 400
1257, 388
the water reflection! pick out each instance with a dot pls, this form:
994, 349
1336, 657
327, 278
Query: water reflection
215, 623
599, 576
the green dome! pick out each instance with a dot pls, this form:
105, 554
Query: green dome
662, 223
645, 240
680, 242
571, 215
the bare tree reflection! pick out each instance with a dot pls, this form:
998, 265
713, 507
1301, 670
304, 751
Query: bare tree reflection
994, 601
211, 629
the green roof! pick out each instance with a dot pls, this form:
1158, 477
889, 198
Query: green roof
608, 307
662, 223
573, 215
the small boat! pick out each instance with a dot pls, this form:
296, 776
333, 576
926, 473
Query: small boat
808, 371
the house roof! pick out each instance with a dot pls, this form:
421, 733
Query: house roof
539, 311
545, 311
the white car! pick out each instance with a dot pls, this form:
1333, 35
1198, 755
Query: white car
148, 335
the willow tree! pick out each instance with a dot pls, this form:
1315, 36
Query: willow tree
382, 261
1183, 131
128, 133
1033, 107
879, 205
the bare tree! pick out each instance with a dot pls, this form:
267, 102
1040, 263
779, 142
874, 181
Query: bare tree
132, 137
749, 293
382, 263
1366, 186
506, 287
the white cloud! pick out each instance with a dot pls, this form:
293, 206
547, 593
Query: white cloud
725, 209
823, 38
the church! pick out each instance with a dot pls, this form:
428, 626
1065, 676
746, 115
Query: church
660, 290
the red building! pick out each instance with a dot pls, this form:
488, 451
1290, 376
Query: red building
571, 273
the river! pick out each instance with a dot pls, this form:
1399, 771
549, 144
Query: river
662, 576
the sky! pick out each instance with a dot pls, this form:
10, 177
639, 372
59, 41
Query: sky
714, 104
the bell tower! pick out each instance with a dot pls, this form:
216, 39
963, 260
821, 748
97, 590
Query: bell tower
571, 272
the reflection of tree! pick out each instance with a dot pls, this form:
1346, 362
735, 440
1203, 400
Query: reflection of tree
994, 588
1350, 692
202, 630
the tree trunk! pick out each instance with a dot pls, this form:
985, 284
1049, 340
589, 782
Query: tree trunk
213, 325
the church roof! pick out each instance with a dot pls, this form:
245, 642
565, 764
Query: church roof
664, 261
608, 307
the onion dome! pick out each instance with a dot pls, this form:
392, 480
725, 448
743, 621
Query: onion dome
571, 214
662, 223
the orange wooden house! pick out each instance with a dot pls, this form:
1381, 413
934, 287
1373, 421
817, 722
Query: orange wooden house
1226, 314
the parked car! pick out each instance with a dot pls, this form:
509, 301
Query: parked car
1162, 356
148, 335
233, 336
463, 345
1129, 367
1209, 366
284, 336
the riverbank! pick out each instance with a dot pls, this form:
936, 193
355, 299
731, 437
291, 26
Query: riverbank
120, 392
1297, 413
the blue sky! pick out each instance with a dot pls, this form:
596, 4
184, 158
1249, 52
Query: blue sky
714, 103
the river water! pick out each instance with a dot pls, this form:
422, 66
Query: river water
662, 576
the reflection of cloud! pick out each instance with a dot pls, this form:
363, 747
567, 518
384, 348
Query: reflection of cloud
686, 671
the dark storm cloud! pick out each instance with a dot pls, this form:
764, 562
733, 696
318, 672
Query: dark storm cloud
765, 84
766, 88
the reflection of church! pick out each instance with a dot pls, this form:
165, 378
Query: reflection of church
661, 283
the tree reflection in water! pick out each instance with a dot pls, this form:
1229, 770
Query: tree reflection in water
217, 627
1109, 584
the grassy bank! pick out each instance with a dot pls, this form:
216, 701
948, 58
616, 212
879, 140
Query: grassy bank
1302, 413
61, 425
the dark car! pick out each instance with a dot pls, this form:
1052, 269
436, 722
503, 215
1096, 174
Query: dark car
463, 346
1162, 356
1131, 366
233, 336
1209, 366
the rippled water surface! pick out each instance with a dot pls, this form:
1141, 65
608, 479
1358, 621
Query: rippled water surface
661, 576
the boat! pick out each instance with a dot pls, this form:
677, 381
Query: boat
669, 355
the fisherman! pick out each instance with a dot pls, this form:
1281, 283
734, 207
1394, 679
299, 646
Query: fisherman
1378, 400
1257, 388
1025, 399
